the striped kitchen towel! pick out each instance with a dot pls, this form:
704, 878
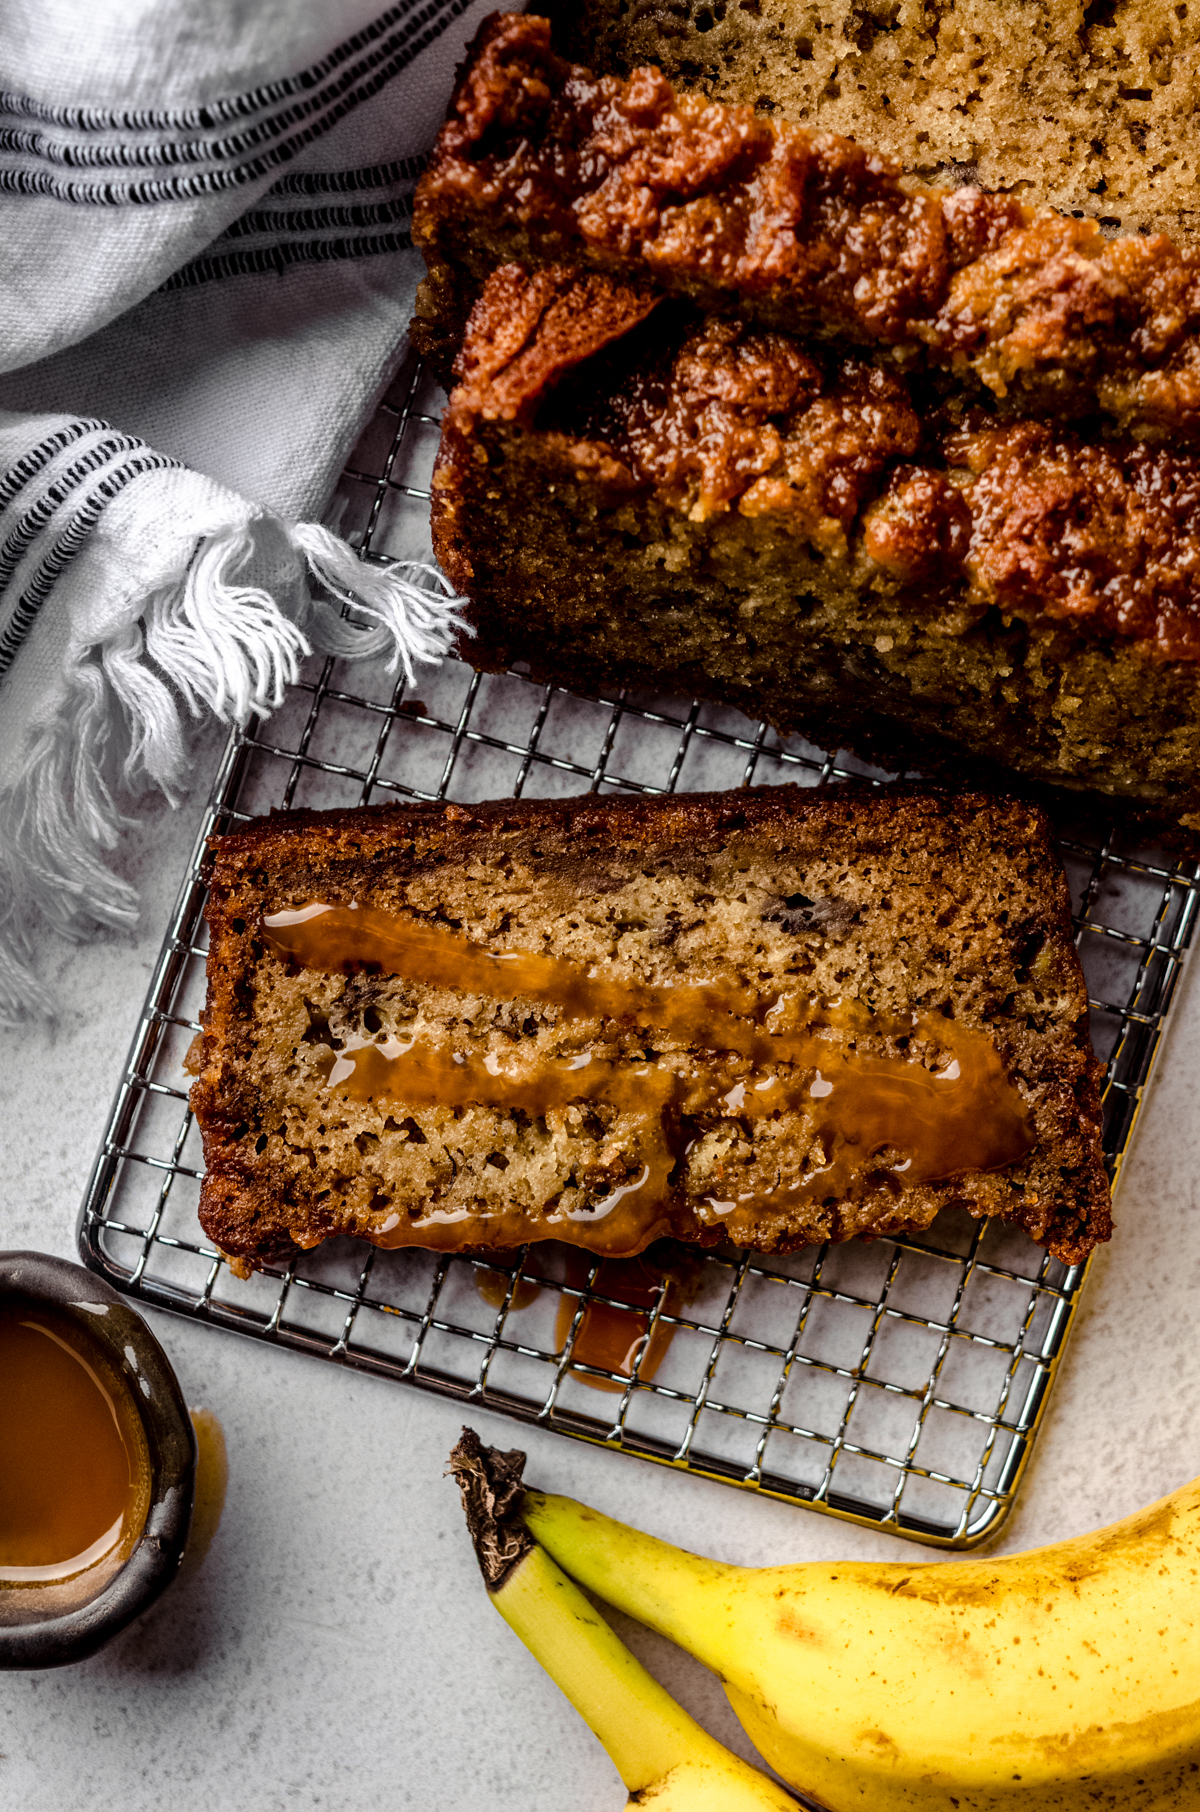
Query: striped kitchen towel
205, 278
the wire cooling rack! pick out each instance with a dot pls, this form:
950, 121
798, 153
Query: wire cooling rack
898, 1383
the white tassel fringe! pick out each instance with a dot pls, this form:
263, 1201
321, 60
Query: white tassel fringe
214, 642
411, 620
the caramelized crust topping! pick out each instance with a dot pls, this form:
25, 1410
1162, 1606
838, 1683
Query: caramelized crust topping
1073, 106
714, 415
540, 161
1107, 536
535, 327
746, 418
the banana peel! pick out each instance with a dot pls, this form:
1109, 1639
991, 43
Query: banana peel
664, 1758
1066, 1679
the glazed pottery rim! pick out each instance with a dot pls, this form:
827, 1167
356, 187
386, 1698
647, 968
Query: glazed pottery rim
144, 1368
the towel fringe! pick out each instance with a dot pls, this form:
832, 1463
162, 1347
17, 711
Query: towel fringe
413, 622
227, 646
214, 642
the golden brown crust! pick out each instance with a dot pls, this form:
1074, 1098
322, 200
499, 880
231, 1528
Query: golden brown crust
541, 162
1034, 521
532, 328
1106, 537
748, 518
978, 874
1086, 109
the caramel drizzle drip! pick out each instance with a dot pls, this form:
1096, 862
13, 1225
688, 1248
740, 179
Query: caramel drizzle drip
719, 1015
611, 1332
937, 1124
422, 1074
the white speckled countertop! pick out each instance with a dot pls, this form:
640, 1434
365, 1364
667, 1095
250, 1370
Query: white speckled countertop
336, 1648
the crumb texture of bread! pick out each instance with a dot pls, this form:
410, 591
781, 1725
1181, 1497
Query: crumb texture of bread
1083, 108
540, 162
744, 516
931, 919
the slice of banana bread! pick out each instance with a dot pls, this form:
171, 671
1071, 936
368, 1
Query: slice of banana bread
1086, 109
540, 162
731, 512
777, 1016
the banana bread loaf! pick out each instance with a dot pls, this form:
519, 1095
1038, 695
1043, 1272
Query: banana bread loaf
777, 1016
628, 489
541, 162
1084, 108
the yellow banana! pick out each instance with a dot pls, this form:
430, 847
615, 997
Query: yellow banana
662, 1755
1064, 1678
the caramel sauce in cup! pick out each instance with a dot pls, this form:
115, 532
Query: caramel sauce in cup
75, 1479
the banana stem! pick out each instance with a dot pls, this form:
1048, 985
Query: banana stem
644, 1731
679, 1594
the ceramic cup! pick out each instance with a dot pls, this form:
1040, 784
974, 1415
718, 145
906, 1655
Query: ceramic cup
31, 1636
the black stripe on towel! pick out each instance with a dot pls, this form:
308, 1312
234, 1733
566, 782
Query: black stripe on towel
159, 155
247, 261
31, 524
69, 543
208, 114
319, 114
31, 463
294, 222
341, 182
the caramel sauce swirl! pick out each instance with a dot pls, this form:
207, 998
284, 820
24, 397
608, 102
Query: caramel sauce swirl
861, 1113
717, 1015
422, 1074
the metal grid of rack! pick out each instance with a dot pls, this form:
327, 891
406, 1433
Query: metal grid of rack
898, 1383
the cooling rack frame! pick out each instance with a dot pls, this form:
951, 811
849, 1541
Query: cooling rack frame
988, 1311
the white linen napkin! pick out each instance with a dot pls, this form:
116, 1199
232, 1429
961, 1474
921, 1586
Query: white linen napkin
205, 278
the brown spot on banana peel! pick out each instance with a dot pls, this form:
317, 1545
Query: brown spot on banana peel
1153, 1737
955, 1645
791, 1625
1041, 1572
944, 1641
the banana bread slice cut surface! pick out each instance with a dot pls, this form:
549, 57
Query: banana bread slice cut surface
772, 1017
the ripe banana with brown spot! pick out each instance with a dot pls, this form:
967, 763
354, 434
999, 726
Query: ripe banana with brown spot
1066, 1679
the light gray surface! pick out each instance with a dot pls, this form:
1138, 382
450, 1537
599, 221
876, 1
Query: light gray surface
336, 1649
